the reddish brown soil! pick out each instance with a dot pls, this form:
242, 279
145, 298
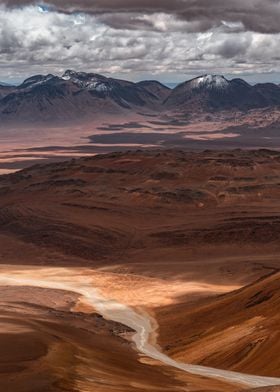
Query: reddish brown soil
166, 232
238, 331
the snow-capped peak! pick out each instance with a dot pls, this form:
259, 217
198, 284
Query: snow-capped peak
91, 82
69, 74
210, 82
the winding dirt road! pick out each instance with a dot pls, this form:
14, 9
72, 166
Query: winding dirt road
80, 281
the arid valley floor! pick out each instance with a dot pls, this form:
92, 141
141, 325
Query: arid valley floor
117, 270
25, 144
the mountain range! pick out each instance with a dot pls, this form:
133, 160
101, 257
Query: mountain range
80, 95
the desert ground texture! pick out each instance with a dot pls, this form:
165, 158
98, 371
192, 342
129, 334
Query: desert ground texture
145, 270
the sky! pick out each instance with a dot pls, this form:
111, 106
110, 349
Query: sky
168, 40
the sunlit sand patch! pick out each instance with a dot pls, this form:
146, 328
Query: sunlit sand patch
13, 156
212, 136
137, 145
151, 292
7, 171
19, 159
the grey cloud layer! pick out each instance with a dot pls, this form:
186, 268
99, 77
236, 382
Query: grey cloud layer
253, 15
161, 40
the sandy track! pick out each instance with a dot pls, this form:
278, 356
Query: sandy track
80, 281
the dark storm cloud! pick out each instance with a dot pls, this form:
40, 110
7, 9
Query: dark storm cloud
255, 15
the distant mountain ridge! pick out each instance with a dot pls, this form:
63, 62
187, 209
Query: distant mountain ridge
80, 95
77, 95
215, 92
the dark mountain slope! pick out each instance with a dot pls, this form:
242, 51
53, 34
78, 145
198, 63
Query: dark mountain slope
75, 95
83, 96
214, 92
156, 88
